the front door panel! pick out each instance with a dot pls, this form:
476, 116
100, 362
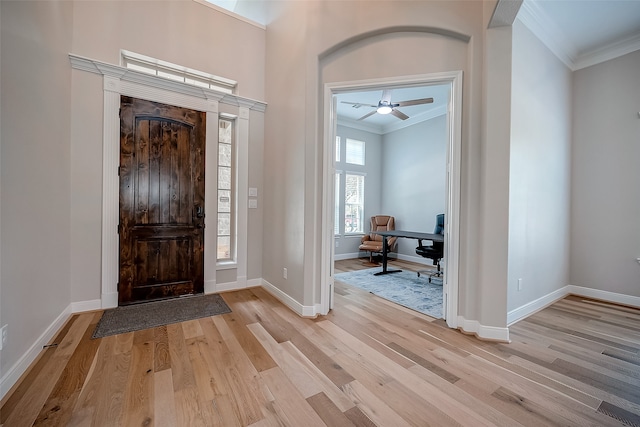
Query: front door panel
161, 201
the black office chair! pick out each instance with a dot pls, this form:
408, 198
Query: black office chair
435, 252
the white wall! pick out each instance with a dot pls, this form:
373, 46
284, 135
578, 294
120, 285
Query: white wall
414, 177
186, 33
605, 201
539, 190
52, 134
36, 156
182, 32
316, 42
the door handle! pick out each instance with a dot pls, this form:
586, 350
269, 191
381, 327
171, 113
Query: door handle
199, 212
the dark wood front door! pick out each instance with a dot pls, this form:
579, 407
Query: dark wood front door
161, 201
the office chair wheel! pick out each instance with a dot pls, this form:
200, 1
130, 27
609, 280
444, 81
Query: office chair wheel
418, 274
429, 279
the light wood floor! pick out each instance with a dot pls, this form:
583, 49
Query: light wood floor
369, 362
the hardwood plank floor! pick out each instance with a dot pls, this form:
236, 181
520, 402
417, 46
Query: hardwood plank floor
367, 363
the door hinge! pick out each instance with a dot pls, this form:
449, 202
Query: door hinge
118, 170
118, 228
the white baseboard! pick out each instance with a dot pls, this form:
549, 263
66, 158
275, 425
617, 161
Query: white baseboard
235, 286
607, 296
492, 333
14, 373
302, 310
536, 305
416, 259
91, 305
392, 255
341, 257
546, 300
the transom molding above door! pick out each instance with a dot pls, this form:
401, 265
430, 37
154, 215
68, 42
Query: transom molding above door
126, 74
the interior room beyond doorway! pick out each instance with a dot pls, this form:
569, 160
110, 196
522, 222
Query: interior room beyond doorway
391, 164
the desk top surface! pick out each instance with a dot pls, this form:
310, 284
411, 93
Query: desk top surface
411, 235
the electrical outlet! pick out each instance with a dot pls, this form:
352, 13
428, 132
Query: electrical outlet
284, 273
519, 284
4, 336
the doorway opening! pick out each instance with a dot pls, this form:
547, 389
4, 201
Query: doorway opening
447, 88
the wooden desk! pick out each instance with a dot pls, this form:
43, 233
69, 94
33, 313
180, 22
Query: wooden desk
407, 235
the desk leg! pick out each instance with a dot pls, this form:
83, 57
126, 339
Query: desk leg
385, 249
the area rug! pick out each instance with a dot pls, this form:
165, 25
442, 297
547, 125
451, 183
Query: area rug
404, 288
136, 317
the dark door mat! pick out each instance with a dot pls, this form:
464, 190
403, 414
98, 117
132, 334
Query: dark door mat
136, 317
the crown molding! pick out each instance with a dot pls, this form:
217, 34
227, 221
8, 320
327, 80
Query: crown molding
355, 124
125, 74
559, 44
414, 120
608, 52
548, 32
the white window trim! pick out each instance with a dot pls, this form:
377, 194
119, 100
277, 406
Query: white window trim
119, 81
364, 152
219, 83
356, 233
229, 264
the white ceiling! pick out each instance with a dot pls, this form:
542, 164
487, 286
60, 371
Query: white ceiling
379, 123
580, 32
584, 32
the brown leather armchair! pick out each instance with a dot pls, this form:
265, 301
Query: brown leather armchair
372, 243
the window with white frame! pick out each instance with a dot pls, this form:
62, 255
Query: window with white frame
349, 187
168, 70
226, 191
336, 218
354, 152
353, 203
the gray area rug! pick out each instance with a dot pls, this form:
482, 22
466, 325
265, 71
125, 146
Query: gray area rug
136, 317
404, 288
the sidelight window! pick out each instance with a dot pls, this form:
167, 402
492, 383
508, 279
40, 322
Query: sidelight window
226, 191
349, 187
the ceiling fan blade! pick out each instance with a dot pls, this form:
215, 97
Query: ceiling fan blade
399, 114
358, 104
415, 102
367, 115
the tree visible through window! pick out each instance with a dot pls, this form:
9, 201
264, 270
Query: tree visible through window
226, 202
349, 186
353, 203
336, 223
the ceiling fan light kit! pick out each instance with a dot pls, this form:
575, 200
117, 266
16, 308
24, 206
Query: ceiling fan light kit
384, 107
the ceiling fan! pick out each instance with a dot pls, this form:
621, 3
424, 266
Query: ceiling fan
385, 106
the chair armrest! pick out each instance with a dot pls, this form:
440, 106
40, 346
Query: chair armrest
391, 242
365, 238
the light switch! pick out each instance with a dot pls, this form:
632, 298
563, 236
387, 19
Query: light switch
253, 192
253, 204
